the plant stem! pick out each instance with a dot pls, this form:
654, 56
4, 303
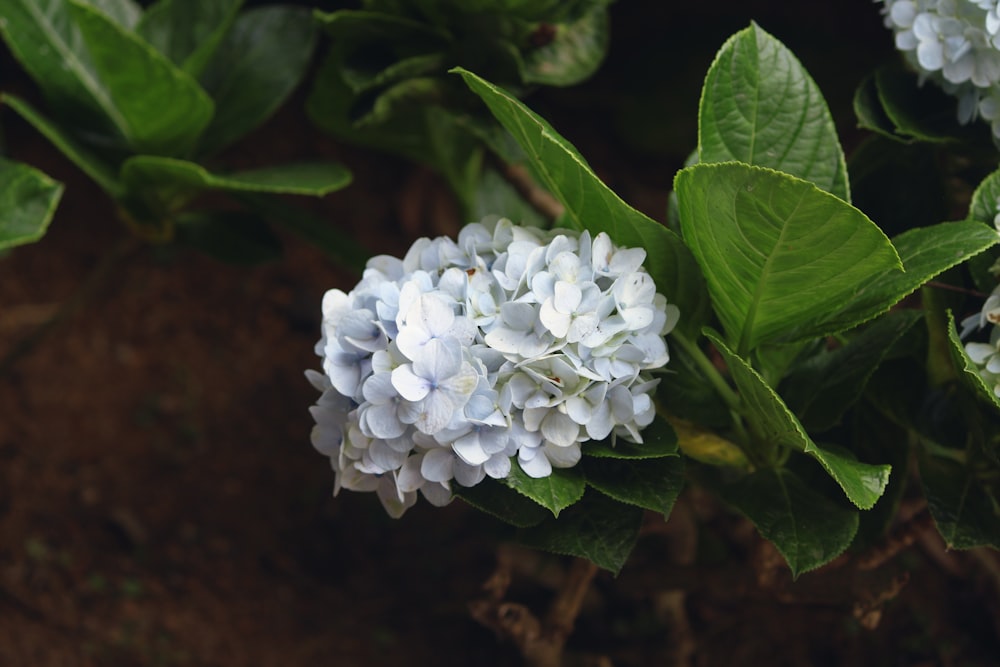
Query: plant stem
711, 373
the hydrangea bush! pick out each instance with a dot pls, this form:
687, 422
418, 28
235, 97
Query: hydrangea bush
511, 343
515, 368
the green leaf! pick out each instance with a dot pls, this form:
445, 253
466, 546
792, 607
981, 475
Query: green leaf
823, 387
964, 509
45, 40
87, 162
591, 205
969, 372
652, 485
658, 440
157, 107
875, 437
779, 254
761, 107
125, 13
808, 528
315, 179
598, 528
28, 199
188, 31
985, 208
575, 51
502, 502
556, 492
925, 252
237, 237
772, 423
258, 64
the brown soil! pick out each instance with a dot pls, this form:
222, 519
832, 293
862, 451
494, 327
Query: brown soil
160, 503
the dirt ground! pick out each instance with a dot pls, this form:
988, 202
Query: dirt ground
160, 503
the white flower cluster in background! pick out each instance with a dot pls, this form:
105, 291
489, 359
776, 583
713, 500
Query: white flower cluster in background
986, 355
955, 43
510, 342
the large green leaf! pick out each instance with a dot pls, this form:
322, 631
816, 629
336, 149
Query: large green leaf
965, 510
925, 252
577, 47
591, 205
969, 372
823, 387
28, 199
652, 485
808, 528
779, 254
188, 31
760, 106
556, 492
598, 528
772, 423
496, 499
315, 178
43, 37
86, 161
258, 64
157, 107
915, 111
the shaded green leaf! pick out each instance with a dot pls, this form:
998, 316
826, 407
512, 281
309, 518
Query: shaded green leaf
823, 387
502, 502
577, 47
778, 253
925, 252
652, 485
985, 208
772, 423
556, 492
237, 237
188, 31
28, 199
325, 234
921, 112
156, 106
807, 528
968, 371
875, 437
256, 66
591, 205
760, 106
658, 440
315, 178
87, 162
869, 111
597, 528
965, 510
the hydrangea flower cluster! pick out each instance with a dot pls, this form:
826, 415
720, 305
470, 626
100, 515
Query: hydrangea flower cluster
510, 342
955, 43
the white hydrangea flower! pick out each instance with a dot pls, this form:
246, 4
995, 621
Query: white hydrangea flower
511, 342
956, 44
